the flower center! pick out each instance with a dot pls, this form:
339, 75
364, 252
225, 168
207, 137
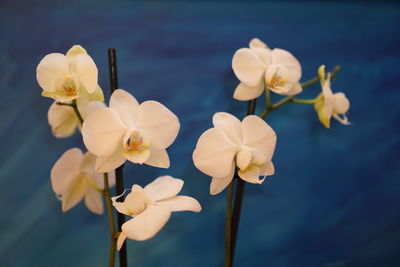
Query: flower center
69, 86
134, 142
278, 82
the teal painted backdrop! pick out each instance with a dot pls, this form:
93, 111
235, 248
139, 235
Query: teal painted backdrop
334, 200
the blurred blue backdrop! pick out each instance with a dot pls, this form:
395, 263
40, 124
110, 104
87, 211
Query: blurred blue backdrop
334, 200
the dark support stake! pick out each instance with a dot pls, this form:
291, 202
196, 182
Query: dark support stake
119, 176
251, 106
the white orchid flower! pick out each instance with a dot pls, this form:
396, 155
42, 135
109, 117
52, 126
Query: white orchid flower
129, 131
63, 120
73, 178
249, 145
259, 67
329, 104
67, 77
151, 208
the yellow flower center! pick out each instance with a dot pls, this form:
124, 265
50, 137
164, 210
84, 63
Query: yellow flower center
135, 142
277, 82
69, 86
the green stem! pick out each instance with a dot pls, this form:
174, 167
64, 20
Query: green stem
228, 227
275, 106
75, 107
78, 114
304, 101
268, 97
64, 104
316, 79
106, 193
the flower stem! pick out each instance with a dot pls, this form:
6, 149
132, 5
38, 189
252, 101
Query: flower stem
75, 107
268, 97
251, 106
275, 106
304, 101
106, 193
119, 178
228, 227
78, 114
236, 212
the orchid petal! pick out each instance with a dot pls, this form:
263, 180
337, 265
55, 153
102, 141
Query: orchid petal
147, 224
72, 54
120, 206
102, 132
262, 50
258, 134
111, 179
138, 156
49, 69
158, 158
93, 200
214, 153
280, 56
159, 124
258, 157
320, 108
136, 201
341, 103
296, 89
109, 163
163, 187
245, 93
121, 240
278, 79
181, 203
89, 107
126, 106
65, 170
344, 120
88, 163
97, 95
219, 184
62, 120
87, 72
267, 169
73, 194
248, 67
328, 97
230, 125
257, 43
243, 159
251, 175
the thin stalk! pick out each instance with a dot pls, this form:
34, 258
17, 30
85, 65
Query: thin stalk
268, 97
304, 101
251, 106
228, 227
106, 193
236, 212
78, 114
64, 104
119, 178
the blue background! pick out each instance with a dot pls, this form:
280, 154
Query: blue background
334, 200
